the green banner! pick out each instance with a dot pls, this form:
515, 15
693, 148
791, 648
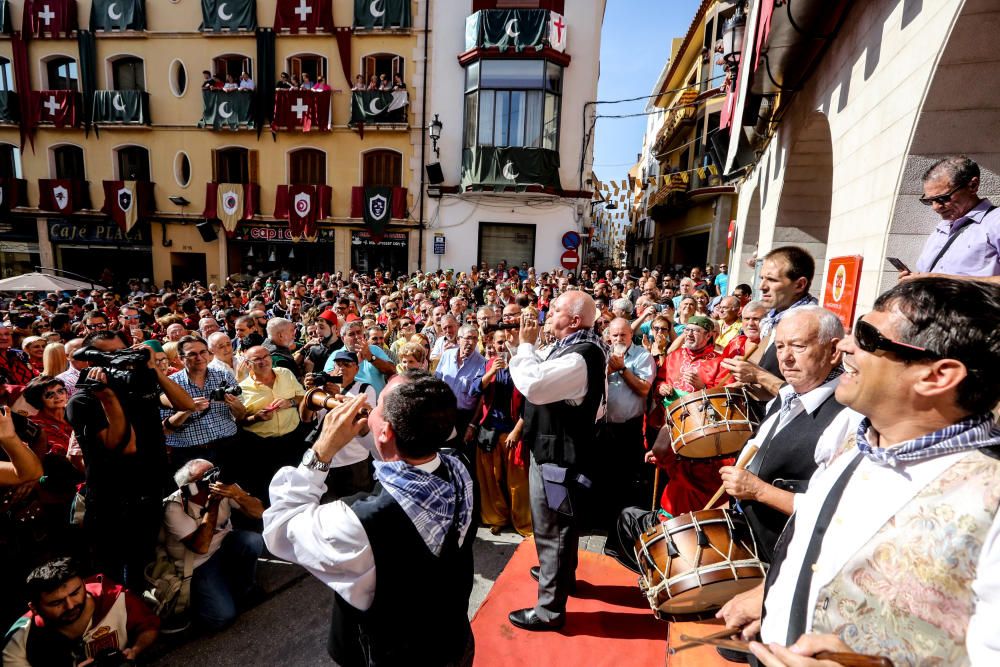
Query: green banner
377, 210
372, 14
373, 106
118, 15
510, 167
9, 110
5, 19
231, 15
508, 28
121, 106
226, 110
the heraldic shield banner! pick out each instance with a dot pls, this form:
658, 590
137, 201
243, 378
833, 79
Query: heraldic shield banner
377, 210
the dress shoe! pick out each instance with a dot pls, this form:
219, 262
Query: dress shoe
527, 619
534, 575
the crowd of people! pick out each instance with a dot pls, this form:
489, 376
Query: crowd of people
157, 441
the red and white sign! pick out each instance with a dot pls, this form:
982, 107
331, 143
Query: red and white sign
570, 259
840, 295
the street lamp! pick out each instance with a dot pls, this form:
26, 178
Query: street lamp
434, 130
732, 39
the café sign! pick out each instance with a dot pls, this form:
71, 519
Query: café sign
268, 233
98, 233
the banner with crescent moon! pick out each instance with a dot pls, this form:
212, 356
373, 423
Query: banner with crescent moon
49, 18
121, 106
118, 15
510, 167
516, 29
228, 15
222, 109
382, 14
373, 106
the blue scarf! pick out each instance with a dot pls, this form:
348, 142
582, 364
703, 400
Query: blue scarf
428, 500
973, 432
583, 336
769, 322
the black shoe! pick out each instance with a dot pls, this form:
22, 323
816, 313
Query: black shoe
733, 656
527, 619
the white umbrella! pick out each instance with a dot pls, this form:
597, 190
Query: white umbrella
43, 282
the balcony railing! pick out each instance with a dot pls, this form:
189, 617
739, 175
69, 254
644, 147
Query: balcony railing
61, 108
304, 110
683, 114
676, 185
510, 167
230, 110
515, 29
121, 107
379, 107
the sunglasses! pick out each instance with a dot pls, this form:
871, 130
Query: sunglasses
871, 339
941, 200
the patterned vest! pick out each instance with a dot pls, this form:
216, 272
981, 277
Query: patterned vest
907, 594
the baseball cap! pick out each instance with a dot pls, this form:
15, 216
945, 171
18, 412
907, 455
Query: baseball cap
345, 355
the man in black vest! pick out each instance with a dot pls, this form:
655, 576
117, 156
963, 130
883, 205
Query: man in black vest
564, 394
412, 537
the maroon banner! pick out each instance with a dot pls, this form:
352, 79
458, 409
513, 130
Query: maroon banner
11, 190
303, 206
303, 16
301, 109
22, 80
49, 18
398, 202
63, 195
250, 205
128, 202
59, 107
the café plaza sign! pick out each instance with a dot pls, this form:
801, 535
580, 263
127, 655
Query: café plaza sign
99, 233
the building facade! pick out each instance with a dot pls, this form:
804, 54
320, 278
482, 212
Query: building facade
120, 131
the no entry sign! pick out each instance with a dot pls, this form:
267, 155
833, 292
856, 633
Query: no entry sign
570, 259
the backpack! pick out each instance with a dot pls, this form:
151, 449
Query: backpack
169, 585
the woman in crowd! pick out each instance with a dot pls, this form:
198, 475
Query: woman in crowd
34, 347
54, 359
48, 395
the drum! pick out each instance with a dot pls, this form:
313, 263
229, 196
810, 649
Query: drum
693, 564
710, 423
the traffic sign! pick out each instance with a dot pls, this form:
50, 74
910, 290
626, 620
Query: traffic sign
569, 259
571, 240
439, 244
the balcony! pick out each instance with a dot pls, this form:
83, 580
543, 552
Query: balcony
501, 168
397, 203
231, 203
222, 110
380, 15
303, 110
668, 193
60, 108
10, 112
379, 108
63, 195
121, 107
681, 115
537, 31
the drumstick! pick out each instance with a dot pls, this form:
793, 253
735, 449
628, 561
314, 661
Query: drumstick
846, 659
740, 465
725, 633
656, 485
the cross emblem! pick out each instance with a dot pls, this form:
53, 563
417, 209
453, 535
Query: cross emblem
559, 25
47, 15
51, 105
299, 108
303, 10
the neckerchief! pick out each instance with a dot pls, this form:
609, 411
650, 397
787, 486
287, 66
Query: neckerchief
582, 336
428, 500
973, 432
768, 324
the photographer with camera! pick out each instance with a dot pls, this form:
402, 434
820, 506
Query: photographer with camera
200, 538
209, 430
115, 416
79, 622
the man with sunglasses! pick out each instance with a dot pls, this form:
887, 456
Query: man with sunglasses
895, 547
967, 240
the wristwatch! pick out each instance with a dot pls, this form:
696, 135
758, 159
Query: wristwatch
311, 461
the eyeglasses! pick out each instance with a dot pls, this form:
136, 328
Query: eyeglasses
659, 328
941, 200
97, 325
405, 324
55, 392
871, 339
258, 361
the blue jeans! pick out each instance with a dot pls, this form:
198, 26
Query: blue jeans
220, 583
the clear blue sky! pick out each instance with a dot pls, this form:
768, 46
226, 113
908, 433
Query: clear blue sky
635, 43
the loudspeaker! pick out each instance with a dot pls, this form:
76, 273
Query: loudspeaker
434, 173
207, 231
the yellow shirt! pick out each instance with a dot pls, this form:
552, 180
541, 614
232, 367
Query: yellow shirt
727, 333
257, 396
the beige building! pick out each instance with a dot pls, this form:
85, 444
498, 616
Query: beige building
186, 141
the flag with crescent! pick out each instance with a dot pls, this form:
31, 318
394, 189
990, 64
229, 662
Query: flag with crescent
228, 15
516, 29
121, 106
373, 106
49, 18
221, 109
382, 14
117, 15
510, 167
297, 16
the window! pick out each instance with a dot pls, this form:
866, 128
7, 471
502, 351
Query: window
9, 161
68, 162
513, 244
128, 73
512, 103
314, 66
61, 73
182, 169
6, 75
234, 165
232, 64
307, 166
133, 163
382, 168
178, 78
381, 64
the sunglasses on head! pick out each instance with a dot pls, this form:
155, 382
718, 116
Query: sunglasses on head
871, 339
941, 200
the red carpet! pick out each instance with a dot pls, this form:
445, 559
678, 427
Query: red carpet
608, 621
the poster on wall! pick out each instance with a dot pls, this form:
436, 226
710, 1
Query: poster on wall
840, 294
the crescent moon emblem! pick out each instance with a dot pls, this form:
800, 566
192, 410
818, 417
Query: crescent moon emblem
118, 103
222, 12
510, 28
508, 171
113, 12
373, 8
373, 107
224, 110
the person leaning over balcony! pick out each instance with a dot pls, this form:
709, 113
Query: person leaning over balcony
246, 83
283, 82
321, 85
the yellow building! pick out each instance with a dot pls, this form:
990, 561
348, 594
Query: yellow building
132, 108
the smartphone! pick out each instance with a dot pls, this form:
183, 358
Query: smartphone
898, 263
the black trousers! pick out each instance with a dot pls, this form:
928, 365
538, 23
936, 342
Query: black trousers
623, 477
632, 522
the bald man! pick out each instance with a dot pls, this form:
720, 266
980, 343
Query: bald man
564, 393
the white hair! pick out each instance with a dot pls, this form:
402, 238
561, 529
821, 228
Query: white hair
185, 474
624, 305
276, 324
466, 329
754, 306
830, 326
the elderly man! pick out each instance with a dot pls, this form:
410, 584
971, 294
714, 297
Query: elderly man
686, 288
462, 368
729, 324
374, 365
220, 561
207, 326
564, 394
280, 338
413, 533
220, 345
894, 549
747, 345
448, 339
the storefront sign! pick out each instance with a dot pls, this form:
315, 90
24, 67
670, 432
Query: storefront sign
275, 234
439, 244
97, 233
841, 294
389, 240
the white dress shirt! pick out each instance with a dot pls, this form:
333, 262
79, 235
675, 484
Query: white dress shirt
545, 381
327, 540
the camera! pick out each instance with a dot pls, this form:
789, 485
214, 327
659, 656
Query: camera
211, 476
219, 394
502, 326
127, 371
323, 378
